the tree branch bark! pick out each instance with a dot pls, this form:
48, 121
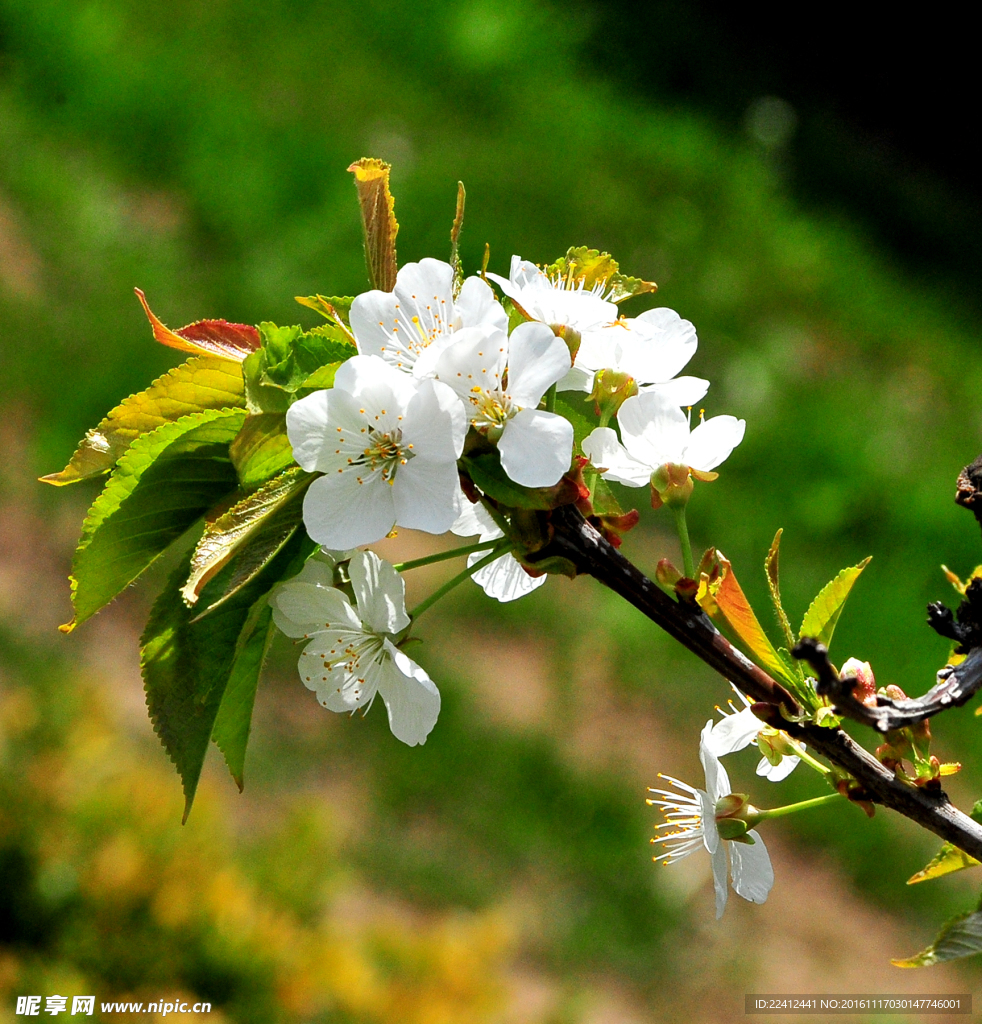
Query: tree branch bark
576, 540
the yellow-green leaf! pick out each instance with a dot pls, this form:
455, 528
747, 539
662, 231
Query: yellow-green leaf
253, 530
261, 450
331, 307
960, 937
379, 219
823, 613
947, 860
205, 382
774, 586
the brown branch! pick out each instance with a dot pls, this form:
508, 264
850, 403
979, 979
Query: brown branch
576, 540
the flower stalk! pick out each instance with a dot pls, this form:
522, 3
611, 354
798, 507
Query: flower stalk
501, 548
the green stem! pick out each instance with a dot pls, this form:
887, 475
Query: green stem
442, 556
803, 754
804, 805
683, 531
605, 416
551, 399
503, 548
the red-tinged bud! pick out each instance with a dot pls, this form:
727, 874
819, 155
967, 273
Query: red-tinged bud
774, 745
667, 575
611, 389
854, 792
895, 692
671, 485
864, 689
613, 527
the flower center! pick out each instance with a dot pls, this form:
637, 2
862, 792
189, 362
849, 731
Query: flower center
386, 453
490, 409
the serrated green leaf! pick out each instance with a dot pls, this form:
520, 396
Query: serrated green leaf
946, 861
204, 382
166, 480
260, 397
234, 719
187, 665
331, 307
319, 380
771, 570
291, 355
589, 268
252, 531
486, 471
379, 220
261, 450
604, 501
960, 937
823, 613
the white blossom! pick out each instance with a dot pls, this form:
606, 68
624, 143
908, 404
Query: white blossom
690, 821
652, 348
557, 301
351, 655
655, 432
738, 729
387, 446
504, 579
409, 326
501, 381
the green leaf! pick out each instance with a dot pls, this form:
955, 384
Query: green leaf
947, 860
319, 380
261, 450
485, 470
252, 531
576, 413
590, 268
379, 220
331, 307
823, 614
960, 937
204, 382
234, 718
604, 501
291, 355
164, 483
261, 397
187, 664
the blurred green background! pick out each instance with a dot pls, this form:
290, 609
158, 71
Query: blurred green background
500, 873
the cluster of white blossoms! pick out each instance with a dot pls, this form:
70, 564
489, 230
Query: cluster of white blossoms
434, 363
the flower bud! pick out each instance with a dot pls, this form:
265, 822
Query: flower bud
736, 815
571, 336
611, 389
865, 688
671, 484
774, 745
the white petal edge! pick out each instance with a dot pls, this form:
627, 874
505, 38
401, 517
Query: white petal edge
410, 696
751, 869
380, 593
536, 448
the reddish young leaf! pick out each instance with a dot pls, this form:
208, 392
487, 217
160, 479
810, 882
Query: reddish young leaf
205, 337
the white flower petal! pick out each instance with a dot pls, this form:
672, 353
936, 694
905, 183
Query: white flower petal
380, 593
325, 668
751, 870
411, 698
717, 781
607, 454
302, 609
719, 878
425, 495
712, 441
504, 579
338, 512
475, 520
665, 344
576, 379
653, 430
780, 771
477, 360
477, 306
434, 423
536, 448
383, 392
682, 391
536, 360
735, 732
